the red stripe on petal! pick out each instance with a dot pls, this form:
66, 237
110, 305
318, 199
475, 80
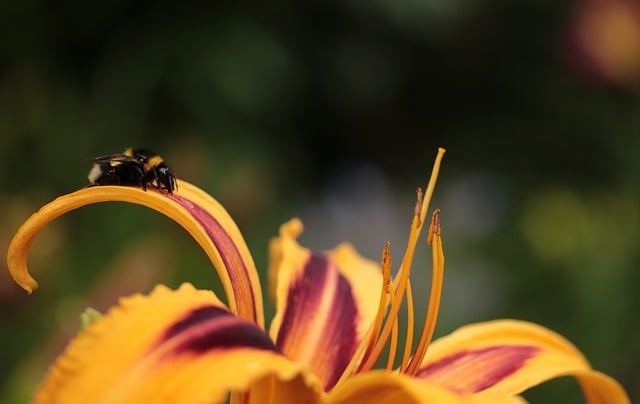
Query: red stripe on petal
212, 327
229, 253
471, 371
319, 321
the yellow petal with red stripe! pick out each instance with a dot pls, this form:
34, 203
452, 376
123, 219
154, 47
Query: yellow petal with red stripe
200, 214
325, 302
380, 387
178, 346
510, 356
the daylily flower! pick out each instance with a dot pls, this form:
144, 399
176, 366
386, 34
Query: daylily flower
335, 314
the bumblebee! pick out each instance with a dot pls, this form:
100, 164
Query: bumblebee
134, 167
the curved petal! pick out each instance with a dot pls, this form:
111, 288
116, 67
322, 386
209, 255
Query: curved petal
325, 303
171, 346
510, 356
276, 389
381, 387
201, 215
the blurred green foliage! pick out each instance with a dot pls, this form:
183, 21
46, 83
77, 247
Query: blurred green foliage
270, 107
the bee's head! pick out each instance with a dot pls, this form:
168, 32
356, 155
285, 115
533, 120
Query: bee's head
166, 178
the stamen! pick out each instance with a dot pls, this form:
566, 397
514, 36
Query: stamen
435, 222
396, 301
385, 294
393, 346
401, 280
434, 298
367, 343
418, 207
410, 324
386, 268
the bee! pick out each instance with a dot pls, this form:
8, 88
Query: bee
134, 167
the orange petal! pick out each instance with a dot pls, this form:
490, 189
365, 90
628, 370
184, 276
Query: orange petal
379, 387
171, 346
201, 215
276, 389
510, 356
325, 302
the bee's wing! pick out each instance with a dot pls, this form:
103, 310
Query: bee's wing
122, 158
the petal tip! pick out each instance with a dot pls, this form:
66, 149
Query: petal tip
25, 281
292, 229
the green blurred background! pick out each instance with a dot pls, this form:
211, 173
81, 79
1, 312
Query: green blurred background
332, 112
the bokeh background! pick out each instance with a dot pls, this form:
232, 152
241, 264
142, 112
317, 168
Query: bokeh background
332, 112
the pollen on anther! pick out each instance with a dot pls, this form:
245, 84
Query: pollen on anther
434, 227
386, 267
418, 208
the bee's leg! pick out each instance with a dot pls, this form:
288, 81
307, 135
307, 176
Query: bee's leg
156, 178
143, 182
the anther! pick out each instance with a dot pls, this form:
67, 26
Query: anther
418, 208
434, 227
